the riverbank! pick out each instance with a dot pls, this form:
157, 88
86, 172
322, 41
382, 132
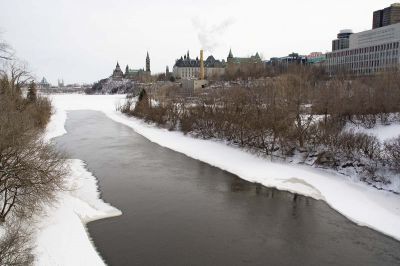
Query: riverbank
360, 203
62, 238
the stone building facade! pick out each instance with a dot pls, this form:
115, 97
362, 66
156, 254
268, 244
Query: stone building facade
236, 65
133, 74
188, 68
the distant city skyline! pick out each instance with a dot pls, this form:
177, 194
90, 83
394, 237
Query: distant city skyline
81, 41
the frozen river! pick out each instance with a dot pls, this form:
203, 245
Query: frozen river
179, 211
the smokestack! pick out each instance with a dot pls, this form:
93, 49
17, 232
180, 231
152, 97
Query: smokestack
201, 65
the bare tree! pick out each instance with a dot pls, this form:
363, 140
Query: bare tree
31, 171
16, 246
392, 153
299, 109
30, 176
6, 52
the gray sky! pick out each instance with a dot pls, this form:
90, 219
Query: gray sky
81, 40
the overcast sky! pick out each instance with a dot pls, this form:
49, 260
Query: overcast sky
81, 40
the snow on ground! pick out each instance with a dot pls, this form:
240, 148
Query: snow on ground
359, 202
382, 132
62, 239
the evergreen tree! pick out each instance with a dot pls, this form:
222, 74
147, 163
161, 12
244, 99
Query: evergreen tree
142, 94
142, 105
32, 92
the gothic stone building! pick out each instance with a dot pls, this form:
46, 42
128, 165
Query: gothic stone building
235, 65
141, 75
188, 68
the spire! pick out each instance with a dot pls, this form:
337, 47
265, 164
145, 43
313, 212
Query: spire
230, 54
147, 62
188, 57
117, 67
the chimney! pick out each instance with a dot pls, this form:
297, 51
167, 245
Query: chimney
201, 65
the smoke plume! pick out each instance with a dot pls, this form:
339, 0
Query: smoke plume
209, 35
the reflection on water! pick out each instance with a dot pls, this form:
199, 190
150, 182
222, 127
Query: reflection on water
179, 211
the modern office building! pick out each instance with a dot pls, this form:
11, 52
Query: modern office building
377, 19
291, 59
387, 16
342, 41
369, 52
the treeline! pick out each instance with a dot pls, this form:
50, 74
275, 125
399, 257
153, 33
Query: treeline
31, 170
294, 113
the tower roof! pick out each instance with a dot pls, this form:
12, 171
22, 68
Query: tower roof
210, 62
147, 62
230, 55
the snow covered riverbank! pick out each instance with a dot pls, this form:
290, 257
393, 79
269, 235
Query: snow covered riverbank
359, 202
62, 238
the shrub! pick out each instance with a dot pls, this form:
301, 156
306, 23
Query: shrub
392, 153
15, 246
32, 92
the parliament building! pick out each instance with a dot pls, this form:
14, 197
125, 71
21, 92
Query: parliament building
141, 75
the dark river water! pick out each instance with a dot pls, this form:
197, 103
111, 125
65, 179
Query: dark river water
179, 211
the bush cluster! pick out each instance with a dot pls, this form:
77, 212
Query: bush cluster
297, 111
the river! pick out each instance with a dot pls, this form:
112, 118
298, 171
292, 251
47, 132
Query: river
180, 211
